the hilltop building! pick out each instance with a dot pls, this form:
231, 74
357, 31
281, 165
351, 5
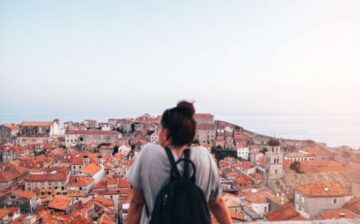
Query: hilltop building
38, 132
8, 133
313, 198
275, 157
74, 137
205, 129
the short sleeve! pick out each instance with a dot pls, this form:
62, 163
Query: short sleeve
215, 181
134, 172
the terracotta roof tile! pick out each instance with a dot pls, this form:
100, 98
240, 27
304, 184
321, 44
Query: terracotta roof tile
36, 123
353, 204
104, 219
317, 166
91, 168
60, 175
60, 203
283, 213
6, 211
104, 201
236, 216
338, 214
79, 181
322, 189
257, 197
12, 126
92, 132
25, 194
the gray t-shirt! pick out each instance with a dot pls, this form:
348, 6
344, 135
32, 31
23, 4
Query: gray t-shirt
151, 170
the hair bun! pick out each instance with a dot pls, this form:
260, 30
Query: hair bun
186, 108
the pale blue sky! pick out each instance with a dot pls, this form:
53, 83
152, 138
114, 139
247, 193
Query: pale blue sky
121, 58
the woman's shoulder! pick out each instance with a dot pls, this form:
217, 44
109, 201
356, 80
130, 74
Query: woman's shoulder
200, 151
151, 148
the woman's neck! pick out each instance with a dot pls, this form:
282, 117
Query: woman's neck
178, 150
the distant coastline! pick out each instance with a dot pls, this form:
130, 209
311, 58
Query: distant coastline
333, 130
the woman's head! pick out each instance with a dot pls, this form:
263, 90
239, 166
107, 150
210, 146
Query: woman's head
178, 125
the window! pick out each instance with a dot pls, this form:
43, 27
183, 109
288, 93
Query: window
335, 201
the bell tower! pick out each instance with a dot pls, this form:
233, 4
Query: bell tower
275, 157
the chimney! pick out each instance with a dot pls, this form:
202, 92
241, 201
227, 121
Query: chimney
282, 200
342, 215
76, 179
86, 160
326, 189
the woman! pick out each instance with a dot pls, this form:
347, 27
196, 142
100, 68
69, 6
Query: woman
151, 169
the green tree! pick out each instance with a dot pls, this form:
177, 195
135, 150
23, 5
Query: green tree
295, 166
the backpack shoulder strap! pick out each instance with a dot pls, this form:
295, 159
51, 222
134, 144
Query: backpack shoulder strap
186, 163
173, 164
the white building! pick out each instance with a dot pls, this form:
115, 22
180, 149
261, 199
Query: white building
243, 153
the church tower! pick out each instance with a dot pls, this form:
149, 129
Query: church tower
275, 157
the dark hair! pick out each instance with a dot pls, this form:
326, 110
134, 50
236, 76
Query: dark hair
180, 123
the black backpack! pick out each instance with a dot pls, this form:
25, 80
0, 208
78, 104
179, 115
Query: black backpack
181, 201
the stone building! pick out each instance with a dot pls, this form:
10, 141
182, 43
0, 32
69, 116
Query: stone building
38, 132
313, 198
274, 165
205, 129
204, 118
9, 152
8, 133
26, 201
74, 137
47, 182
206, 133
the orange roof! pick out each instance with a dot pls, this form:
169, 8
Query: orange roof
104, 219
11, 174
79, 181
284, 212
77, 219
11, 126
257, 197
318, 166
25, 194
353, 204
203, 115
59, 175
232, 174
36, 123
322, 189
257, 176
92, 132
107, 202
6, 211
60, 203
236, 216
244, 179
337, 213
124, 183
240, 137
246, 165
315, 150
91, 168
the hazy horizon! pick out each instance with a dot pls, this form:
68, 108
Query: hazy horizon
127, 58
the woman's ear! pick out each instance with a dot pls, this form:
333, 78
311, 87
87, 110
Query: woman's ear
167, 135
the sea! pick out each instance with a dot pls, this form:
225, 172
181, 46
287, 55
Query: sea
334, 130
